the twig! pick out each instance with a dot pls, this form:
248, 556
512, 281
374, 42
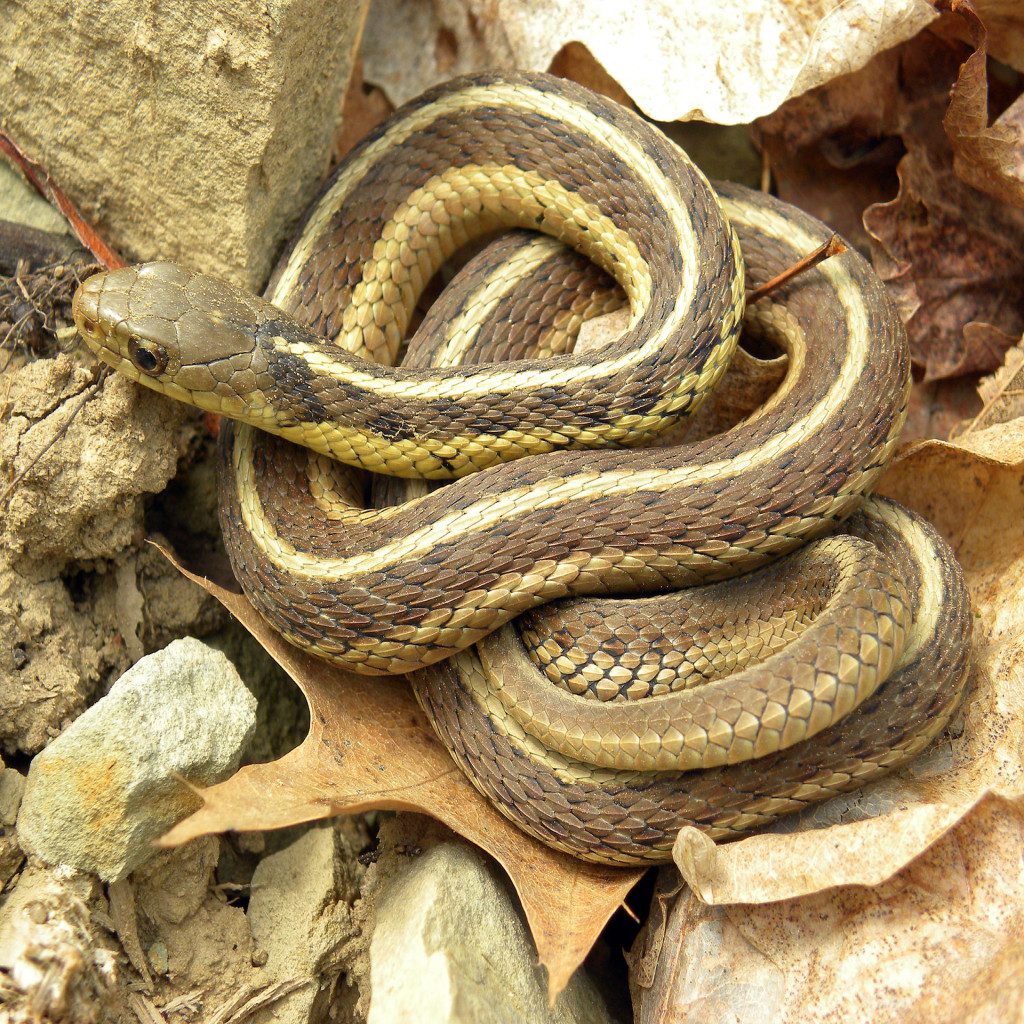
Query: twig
251, 999
12, 332
53, 193
629, 911
835, 246
121, 898
188, 1002
144, 1009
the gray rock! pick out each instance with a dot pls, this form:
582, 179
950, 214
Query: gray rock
449, 947
115, 780
300, 916
12, 789
20, 202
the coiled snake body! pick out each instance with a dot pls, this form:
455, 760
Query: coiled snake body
722, 706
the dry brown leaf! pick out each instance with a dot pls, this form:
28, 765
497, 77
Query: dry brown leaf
575, 62
1002, 394
1005, 28
833, 151
938, 407
917, 887
991, 158
947, 251
363, 107
727, 62
943, 940
370, 747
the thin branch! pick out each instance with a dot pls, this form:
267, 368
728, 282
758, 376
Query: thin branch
835, 246
629, 911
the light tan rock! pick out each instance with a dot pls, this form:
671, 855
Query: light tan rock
12, 787
191, 936
300, 917
449, 947
192, 130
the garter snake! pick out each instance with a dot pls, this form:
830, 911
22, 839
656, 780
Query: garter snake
529, 518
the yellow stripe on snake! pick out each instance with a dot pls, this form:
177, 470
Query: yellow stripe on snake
601, 722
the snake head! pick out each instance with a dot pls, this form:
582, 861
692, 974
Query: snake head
187, 335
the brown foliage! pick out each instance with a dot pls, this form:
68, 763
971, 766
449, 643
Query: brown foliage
947, 250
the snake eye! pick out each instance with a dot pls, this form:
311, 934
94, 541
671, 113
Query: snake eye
148, 356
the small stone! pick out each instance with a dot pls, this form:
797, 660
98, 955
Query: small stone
299, 913
12, 789
113, 782
449, 947
157, 956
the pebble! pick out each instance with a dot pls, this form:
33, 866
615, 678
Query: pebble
100, 794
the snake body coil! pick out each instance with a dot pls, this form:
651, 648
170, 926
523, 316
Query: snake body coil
403, 587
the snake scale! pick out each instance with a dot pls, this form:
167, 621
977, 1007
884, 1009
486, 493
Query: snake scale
599, 721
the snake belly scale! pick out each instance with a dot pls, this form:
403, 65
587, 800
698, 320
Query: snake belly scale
529, 518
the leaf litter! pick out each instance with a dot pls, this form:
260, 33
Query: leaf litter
370, 746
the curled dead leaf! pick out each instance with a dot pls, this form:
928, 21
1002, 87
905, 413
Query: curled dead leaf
727, 62
363, 108
940, 941
1006, 30
833, 151
1002, 394
947, 251
989, 157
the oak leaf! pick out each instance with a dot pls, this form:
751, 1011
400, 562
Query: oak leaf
1002, 394
988, 157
